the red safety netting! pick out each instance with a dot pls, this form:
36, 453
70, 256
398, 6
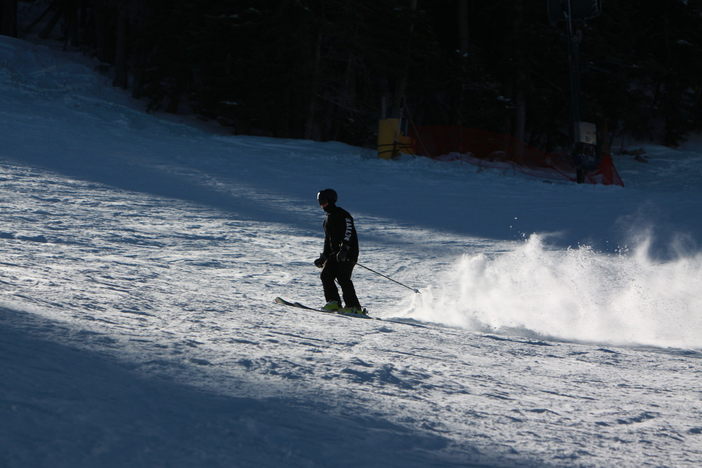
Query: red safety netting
494, 150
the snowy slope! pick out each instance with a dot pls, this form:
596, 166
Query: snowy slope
141, 255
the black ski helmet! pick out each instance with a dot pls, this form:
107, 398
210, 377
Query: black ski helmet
326, 196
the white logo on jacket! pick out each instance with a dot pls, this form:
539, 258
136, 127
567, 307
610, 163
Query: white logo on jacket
349, 229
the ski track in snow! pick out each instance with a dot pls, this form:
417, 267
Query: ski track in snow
137, 324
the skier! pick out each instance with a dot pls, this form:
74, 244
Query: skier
339, 256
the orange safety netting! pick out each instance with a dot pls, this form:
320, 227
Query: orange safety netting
494, 150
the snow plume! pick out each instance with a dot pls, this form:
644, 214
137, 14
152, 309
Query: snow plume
574, 294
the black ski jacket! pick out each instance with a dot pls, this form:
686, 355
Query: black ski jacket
339, 230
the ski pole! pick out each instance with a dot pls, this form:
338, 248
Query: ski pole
387, 277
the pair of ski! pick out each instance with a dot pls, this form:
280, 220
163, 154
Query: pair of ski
280, 300
297, 305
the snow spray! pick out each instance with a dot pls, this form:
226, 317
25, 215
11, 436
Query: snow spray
574, 294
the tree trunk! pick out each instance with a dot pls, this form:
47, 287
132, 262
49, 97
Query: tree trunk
8, 17
139, 61
72, 23
39, 19
519, 130
520, 124
401, 87
102, 32
121, 77
312, 127
463, 46
463, 35
51, 24
604, 141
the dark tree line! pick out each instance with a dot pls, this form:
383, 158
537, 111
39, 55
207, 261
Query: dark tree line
329, 69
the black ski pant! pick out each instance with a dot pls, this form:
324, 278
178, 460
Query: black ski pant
341, 272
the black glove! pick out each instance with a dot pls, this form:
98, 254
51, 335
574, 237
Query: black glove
343, 254
319, 263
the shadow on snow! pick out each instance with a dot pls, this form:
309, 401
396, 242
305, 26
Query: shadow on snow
69, 407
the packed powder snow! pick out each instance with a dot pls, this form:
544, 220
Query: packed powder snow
141, 254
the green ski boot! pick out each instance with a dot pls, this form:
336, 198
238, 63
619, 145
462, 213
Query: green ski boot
332, 306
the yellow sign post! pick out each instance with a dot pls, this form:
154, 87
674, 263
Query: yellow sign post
391, 141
